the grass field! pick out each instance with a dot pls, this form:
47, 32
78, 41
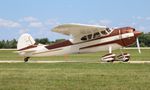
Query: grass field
74, 76
92, 57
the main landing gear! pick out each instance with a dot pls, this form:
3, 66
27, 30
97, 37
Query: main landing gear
26, 59
108, 57
124, 57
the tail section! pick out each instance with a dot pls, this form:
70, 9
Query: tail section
24, 41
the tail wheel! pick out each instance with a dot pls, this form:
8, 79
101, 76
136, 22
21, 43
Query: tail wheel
124, 57
108, 57
26, 59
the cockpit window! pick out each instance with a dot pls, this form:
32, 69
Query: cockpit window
108, 30
89, 36
93, 36
96, 35
84, 38
104, 32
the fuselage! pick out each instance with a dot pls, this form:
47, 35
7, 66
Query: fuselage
115, 38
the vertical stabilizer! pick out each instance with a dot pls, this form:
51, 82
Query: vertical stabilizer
24, 41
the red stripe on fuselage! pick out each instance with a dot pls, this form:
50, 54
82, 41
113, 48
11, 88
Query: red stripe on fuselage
28, 47
58, 45
68, 43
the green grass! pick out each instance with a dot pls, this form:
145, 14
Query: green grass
92, 57
74, 76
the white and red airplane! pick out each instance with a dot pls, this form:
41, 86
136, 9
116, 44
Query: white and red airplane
85, 39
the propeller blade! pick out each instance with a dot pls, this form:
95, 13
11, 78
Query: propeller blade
138, 45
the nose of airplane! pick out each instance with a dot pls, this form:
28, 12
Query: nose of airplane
137, 33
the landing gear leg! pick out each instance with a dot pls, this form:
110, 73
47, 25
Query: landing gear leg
26, 59
109, 57
125, 57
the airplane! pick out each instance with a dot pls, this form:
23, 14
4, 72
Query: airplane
85, 39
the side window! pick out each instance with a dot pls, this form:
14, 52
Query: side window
89, 36
104, 32
96, 35
84, 38
108, 30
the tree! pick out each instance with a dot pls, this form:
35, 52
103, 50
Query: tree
59, 40
1, 44
144, 39
42, 41
13, 43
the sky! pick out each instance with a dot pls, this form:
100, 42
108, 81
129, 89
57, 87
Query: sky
38, 17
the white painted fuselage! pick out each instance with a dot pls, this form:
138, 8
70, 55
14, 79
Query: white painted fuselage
80, 47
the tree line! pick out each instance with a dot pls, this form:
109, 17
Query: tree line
144, 40
10, 44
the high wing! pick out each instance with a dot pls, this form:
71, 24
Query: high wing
78, 29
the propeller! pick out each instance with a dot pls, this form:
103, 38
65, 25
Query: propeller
138, 45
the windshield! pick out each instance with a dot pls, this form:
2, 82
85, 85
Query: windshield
108, 29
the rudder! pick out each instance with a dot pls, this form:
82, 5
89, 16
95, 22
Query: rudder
25, 40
